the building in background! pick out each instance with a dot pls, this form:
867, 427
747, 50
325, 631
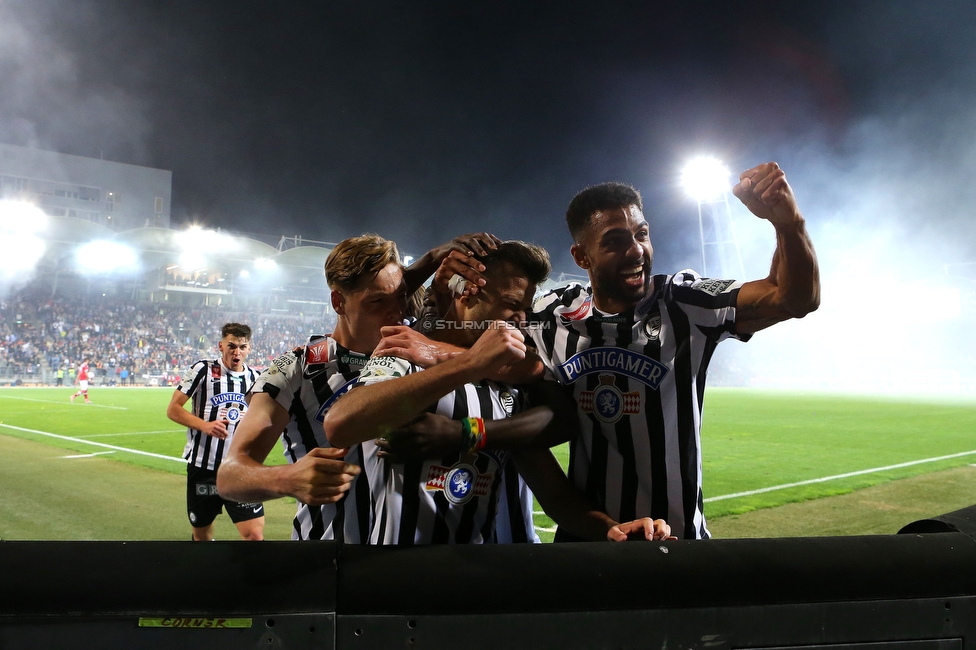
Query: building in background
115, 195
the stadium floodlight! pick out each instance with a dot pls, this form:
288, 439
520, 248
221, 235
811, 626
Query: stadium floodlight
265, 264
705, 179
20, 245
245, 273
197, 244
102, 256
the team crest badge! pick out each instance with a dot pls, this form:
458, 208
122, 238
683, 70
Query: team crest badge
652, 327
460, 483
607, 403
508, 402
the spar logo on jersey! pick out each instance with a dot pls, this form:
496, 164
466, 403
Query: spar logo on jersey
616, 360
607, 403
215, 371
579, 313
460, 483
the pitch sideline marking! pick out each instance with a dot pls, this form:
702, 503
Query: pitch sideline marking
811, 481
97, 444
132, 433
837, 476
91, 455
51, 401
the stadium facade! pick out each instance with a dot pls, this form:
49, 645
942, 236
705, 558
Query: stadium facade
112, 194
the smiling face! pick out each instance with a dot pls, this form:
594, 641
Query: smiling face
233, 351
615, 250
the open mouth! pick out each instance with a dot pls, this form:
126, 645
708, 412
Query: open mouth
633, 276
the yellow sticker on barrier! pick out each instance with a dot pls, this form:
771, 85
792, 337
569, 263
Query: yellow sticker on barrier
196, 623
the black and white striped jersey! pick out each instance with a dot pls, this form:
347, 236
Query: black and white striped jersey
638, 379
217, 394
306, 385
515, 521
450, 500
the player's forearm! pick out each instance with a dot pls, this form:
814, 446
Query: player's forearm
795, 270
374, 410
418, 272
535, 427
559, 497
243, 479
180, 415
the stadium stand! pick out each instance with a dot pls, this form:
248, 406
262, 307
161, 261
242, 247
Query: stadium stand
152, 341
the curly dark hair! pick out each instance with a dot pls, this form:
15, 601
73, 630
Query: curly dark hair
596, 198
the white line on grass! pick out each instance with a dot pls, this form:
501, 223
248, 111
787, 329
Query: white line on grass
51, 401
837, 476
132, 433
97, 444
94, 453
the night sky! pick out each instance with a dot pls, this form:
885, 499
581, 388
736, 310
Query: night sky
421, 120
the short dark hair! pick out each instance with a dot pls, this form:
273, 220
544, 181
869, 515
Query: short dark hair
240, 330
357, 257
530, 259
596, 198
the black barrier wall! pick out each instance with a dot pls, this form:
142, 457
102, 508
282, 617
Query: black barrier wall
912, 592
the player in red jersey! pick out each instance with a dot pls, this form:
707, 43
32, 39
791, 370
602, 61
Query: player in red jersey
84, 374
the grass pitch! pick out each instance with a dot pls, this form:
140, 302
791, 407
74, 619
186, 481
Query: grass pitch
752, 440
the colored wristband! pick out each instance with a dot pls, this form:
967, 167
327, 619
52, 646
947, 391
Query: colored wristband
473, 436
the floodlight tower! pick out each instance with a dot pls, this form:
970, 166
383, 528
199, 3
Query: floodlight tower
706, 180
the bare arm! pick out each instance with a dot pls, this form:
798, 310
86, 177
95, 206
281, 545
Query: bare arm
792, 289
406, 343
570, 509
176, 412
317, 478
374, 410
465, 247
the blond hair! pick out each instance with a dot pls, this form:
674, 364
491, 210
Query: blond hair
358, 257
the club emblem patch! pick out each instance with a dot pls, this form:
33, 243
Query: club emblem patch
508, 402
607, 403
652, 327
460, 483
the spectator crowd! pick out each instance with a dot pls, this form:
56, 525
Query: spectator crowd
131, 342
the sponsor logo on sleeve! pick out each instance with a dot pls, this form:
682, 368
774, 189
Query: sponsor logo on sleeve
712, 287
317, 352
617, 360
281, 364
382, 369
579, 313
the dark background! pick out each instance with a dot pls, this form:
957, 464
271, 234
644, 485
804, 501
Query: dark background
421, 120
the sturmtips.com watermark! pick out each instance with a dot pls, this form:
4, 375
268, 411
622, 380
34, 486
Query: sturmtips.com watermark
432, 324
